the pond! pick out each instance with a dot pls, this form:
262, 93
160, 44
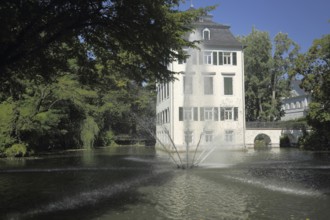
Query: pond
135, 183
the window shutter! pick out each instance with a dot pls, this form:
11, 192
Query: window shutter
195, 114
222, 113
234, 58
215, 58
216, 114
228, 85
201, 57
202, 114
220, 58
180, 114
236, 113
194, 57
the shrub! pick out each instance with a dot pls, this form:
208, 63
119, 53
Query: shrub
89, 132
16, 150
106, 138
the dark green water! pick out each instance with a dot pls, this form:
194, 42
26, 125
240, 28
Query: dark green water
133, 183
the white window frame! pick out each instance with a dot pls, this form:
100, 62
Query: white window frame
229, 113
229, 136
208, 113
208, 136
227, 58
209, 34
207, 57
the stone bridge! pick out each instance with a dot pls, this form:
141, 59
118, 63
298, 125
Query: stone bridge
272, 132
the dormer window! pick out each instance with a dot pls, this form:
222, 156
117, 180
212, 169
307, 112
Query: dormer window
206, 34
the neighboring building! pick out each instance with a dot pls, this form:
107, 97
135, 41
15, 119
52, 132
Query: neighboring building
296, 105
206, 104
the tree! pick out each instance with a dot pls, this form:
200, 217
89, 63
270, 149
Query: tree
315, 69
257, 56
63, 64
267, 77
37, 37
285, 53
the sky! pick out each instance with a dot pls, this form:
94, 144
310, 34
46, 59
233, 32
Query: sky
303, 20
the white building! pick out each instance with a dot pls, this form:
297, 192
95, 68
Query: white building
205, 106
296, 105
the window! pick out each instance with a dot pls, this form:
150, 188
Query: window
287, 106
228, 85
208, 85
229, 136
298, 104
188, 113
188, 136
207, 57
228, 113
215, 58
206, 34
159, 94
208, 114
227, 58
187, 85
293, 106
208, 136
168, 89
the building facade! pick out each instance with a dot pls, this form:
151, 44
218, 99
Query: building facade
205, 105
296, 105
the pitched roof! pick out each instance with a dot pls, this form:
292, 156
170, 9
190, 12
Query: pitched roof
220, 35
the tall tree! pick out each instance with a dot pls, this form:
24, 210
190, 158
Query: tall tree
267, 73
314, 66
285, 53
58, 60
257, 56
38, 36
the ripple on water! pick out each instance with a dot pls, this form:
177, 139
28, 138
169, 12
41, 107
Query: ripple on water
188, 195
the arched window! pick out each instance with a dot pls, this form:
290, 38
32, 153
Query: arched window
287, 106
206, 34
298, 105
293, 106
302, 104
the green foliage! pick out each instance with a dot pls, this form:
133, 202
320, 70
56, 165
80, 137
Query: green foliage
6, 128
266, 74
314, 66
89, 132
38, 38
72, 73
106, 138
16, 150
257, 55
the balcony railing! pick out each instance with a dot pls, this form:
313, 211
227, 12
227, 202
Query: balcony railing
289, 125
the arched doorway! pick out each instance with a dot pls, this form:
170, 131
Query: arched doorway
262, 141
287, 140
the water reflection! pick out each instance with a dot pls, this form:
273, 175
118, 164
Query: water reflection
134, 184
